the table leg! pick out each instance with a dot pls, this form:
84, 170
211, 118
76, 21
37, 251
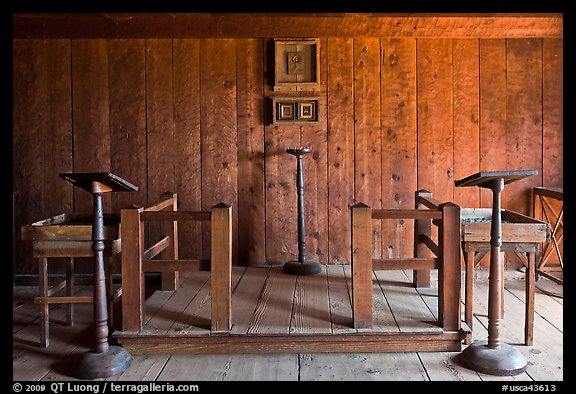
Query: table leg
70, 290
43, 292
469, 293
530, 284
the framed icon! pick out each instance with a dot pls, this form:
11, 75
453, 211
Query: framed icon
285, 111
306, 110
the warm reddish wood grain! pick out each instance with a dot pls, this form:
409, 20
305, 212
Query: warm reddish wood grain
42, 128
90, 119
435, 128
399, 135
367, 131
466, 81
492, 110
552, 106
190, 25
340, 127
523, 120
188, 159
219, 130
128, 119
315, 172
251, 116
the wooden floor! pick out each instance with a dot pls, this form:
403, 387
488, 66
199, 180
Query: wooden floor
288, 305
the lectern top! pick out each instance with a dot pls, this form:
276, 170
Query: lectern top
483, 178
84, 180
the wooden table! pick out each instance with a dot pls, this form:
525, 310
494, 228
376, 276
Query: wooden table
493, 356
68, 236
556, 223
521, 235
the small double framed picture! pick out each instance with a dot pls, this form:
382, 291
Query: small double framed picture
295, 110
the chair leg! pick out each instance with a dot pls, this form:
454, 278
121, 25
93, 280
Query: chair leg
43, 292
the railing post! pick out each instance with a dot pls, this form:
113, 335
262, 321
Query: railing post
221, 267
449, 275
132, 238
421, 278
170, 280
361, 217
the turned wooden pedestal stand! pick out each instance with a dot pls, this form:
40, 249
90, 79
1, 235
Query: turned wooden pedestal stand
300, 267
104, 360
492, 356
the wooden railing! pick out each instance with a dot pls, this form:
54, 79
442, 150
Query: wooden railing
443, 255
136, 260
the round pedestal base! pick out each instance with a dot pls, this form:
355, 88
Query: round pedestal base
94, 365
297, 268
504, 361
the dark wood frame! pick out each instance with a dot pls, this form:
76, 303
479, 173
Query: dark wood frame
295, 102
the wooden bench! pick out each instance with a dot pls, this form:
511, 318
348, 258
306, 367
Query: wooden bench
446, 257
136, 260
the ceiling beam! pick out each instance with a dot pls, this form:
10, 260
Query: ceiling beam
250, 25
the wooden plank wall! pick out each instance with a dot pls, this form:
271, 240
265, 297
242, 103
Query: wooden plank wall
190, 116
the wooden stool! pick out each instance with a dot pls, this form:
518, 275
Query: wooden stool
69, 236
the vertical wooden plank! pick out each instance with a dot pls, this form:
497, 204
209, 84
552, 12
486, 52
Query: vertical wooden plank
186, 150
367, 132
91, 123
552, 104
132, 275
219, 130
128, 119
449, 272
315, 173
160, 125
421, 278
465, 67
492, 113
340, 127
553, 127
221, 268
435, 136
41, 135
251, 202
280, 174
399, 138
361, 265
523, 120
492, 110
170, 280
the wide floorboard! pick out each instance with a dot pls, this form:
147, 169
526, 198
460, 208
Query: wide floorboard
270, 304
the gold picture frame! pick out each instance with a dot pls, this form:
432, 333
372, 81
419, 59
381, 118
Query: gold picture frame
285, 111
306, 110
